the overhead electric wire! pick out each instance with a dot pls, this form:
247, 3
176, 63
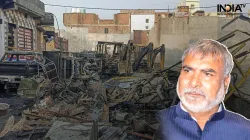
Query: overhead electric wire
99, 8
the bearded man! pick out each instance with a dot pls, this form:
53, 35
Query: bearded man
202, 85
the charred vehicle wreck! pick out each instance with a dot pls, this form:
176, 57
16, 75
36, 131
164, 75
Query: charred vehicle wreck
17, 65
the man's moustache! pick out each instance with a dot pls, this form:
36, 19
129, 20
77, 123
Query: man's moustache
194, 90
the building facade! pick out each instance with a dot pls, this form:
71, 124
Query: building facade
2, 47
19, 24
84, 30
193, 5
142, 22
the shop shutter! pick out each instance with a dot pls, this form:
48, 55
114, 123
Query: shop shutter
25, 37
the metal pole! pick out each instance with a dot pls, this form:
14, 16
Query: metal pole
60, 47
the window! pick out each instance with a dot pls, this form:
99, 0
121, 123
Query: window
192, 6
106, 30
11, 35
146, 27
147, 20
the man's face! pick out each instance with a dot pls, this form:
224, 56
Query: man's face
202, 84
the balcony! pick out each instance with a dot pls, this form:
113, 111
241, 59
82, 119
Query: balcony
35, 8
48, 19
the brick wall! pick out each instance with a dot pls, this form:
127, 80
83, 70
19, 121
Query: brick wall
100, 29
119, 25
159, 15
70, 19
141, 37
138, 12
123, 29
122, 18
107, 21
116, 29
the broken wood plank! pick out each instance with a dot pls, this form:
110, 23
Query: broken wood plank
9, 124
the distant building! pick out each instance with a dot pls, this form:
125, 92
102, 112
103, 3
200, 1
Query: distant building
57, 43
120, 23
193, 5
199, 13
47, 25
84, 30
138, 12
183, 9
159, 15
78, 10
142, 21
211, 14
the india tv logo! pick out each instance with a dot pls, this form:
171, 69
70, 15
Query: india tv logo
230, 7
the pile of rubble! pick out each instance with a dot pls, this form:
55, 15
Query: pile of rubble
82, 106
123, 107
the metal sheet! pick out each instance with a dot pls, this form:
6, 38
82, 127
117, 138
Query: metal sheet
25, 37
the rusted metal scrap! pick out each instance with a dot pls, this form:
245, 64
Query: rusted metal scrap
71, 99
141, 90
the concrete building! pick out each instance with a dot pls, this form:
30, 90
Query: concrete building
142, 20
53, 40
47, 31
159, 15
177, 33
83, 30
141, 23
2, 47
19, 24
57, 43
193, 5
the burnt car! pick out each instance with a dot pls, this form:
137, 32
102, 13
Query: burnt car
15, 65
